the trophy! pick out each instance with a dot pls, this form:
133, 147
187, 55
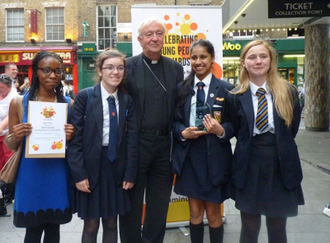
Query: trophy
200, 109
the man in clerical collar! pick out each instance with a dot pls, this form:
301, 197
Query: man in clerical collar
152, 82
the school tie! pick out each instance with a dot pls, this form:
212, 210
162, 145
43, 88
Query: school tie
113, 134
262, 113
200, 92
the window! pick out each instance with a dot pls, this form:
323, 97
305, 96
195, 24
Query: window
106, 26
200, 2
55, 24
15, 25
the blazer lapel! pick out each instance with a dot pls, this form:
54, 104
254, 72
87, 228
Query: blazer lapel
97, 108
169, 82
138, 70
277, 122
247, 105
213, 92
187, 108
122, 116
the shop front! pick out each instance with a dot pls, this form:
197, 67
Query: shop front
291, 59
23, 57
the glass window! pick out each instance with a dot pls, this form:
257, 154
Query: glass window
231, 69
15, 25
107, 26
54, 24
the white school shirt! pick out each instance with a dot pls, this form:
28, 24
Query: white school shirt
271, 128
106, 118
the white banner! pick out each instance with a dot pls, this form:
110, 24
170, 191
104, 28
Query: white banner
184, 24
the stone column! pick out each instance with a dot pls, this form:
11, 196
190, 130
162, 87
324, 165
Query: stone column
317, 77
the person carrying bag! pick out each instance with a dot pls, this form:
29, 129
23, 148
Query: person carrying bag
9, 171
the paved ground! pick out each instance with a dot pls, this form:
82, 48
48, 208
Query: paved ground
310, 226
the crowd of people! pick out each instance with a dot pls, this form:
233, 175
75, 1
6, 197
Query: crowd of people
142, 123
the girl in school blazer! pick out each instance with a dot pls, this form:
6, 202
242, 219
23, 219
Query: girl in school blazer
103, 154
266, 173
201, 157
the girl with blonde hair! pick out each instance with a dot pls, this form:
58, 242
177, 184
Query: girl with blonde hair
266, 173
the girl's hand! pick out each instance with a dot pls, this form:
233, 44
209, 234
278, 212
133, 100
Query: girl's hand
127, 185
83, 186
70, 131
192, 133
212, 126
22, 129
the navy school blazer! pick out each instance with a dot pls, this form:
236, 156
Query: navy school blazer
218, 150
242, 118
84, 150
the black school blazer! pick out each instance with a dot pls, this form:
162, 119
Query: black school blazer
242, 118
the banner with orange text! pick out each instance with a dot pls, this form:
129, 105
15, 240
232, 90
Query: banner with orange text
184, 24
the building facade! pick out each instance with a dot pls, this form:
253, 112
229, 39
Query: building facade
32, 25
75, 29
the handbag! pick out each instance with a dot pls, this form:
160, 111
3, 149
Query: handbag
9, 171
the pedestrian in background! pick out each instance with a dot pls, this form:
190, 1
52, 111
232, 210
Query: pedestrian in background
6, 95
152, 82
103, 154
202, 157
24, 88
11, 70
42, 184
266, 172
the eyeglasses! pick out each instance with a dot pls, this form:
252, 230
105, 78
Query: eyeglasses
112, 68
48, 71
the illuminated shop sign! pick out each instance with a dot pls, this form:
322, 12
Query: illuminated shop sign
228, 46
25, 58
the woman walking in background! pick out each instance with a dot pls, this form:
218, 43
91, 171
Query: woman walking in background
6, 95
266, 172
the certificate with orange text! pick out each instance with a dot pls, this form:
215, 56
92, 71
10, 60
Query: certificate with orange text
47, 139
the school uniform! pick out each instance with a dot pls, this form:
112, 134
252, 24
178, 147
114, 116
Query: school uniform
202, 165
87, 153
266, 172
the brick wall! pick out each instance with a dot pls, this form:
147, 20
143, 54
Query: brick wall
76, 12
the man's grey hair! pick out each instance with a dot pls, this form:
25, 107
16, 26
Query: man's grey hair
149, 21
8, 65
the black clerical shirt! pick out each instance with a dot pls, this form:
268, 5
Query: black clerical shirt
155, 105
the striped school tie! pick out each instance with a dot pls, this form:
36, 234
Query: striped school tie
262, 114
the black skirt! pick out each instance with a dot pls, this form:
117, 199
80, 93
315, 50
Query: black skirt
107, 199
195, 181
264, 191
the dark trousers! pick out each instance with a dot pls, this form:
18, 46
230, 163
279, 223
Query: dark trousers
155, 178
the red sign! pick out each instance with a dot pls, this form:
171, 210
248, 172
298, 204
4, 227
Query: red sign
34, 21
26, 57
